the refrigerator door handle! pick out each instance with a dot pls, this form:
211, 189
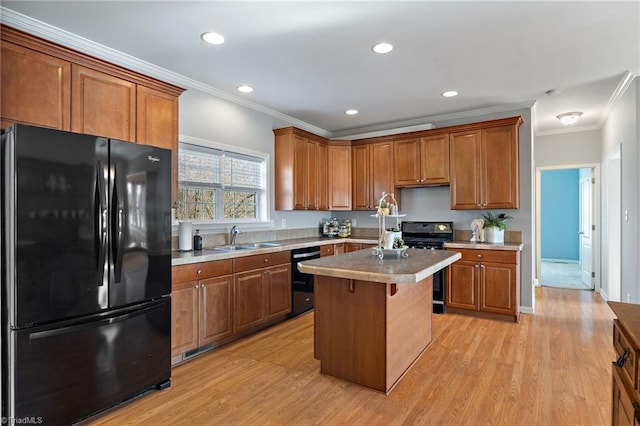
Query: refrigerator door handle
117, 224
100, 225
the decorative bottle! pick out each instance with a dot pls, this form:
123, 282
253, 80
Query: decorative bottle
197, 241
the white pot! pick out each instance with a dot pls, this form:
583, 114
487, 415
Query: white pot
494, 235
391, 236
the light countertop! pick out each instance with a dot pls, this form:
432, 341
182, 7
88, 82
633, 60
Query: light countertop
207, 255
484, 246
363, 265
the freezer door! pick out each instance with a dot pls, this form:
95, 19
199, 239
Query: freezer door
140, 201
65, 374
54, 223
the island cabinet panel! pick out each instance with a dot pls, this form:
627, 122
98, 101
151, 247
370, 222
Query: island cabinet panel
36, 88
370, 333
200, 298
485, 281
484, 166
102, 104
625, 409
339, 176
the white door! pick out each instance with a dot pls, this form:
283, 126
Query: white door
586, 223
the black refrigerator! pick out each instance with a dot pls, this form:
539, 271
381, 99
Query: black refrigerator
86, 273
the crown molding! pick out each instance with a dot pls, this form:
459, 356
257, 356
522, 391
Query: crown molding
568, 130
81, 44
623, 85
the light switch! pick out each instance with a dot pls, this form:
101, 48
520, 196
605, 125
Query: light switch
626, 215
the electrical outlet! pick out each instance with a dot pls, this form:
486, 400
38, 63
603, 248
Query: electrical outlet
353, 223
628, 297
284, 223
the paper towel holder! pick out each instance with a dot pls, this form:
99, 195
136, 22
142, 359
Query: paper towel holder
185, 237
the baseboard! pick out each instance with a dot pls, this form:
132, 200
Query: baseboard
560, 260
603, 294
527, 310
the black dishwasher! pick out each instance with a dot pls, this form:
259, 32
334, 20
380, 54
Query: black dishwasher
302, 284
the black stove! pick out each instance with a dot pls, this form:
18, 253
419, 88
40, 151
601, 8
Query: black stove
430, 235
427, 235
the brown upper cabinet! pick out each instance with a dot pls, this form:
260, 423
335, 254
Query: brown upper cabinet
63, 89
422, 161
484, 166
300, 170
36, 88
372, 173
340, 175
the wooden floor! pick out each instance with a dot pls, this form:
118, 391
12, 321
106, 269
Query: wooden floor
553, 368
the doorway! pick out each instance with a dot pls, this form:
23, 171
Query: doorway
566, 227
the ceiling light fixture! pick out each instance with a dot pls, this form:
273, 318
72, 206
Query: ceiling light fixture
382, 47
212, 38
245, 89
351, 112
569, 118
449, 94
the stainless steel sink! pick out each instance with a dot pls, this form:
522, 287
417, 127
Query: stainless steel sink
231, 248
260, 245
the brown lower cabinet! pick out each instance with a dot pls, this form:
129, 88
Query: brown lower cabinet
331, 249
486, 281
349, 247
625, 409
212, 304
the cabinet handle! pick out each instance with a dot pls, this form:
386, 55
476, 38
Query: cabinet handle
482, 266
199, 271
477, 265
266, 260
266, 272
479, 255
623, 358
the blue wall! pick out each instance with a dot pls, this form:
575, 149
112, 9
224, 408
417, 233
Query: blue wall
560, 208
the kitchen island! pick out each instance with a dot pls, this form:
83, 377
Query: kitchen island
372, 316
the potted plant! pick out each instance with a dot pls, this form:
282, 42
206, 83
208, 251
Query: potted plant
383, 208
494, 226
392, 234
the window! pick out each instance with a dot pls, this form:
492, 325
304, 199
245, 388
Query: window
220, 185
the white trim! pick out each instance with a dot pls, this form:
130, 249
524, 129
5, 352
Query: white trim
217, 227
527, 310
596, 202
222, 146
569, 129
623, 85
559, 260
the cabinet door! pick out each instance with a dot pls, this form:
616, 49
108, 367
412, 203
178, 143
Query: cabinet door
380, 170
498, 288
36, 88
215, 309
360, 192
434, 156
157, 124
311, 174
184, 317
500, 168
622, 413
102, 104
300, 179
406, 155
349, 247
248, 300
462, 285
278, 290
465, 170
322, 179
339, 177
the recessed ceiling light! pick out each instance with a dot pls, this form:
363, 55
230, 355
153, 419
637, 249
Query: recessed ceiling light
382, 47
569, 118
449, 94
351, 112
212, 38
245, 89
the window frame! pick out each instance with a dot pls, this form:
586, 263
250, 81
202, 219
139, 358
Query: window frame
263, 204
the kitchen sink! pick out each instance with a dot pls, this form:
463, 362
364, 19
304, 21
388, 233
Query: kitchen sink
231, 248
260, 245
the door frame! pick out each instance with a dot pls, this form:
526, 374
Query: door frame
595, 206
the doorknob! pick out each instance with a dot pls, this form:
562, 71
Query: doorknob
580, 233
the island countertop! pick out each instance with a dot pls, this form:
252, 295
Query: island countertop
363, 265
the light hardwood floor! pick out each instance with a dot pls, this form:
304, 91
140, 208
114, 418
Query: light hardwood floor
553, 368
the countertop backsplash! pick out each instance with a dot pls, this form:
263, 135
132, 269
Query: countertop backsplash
509, 236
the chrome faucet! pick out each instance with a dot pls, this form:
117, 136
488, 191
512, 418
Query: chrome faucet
232, 235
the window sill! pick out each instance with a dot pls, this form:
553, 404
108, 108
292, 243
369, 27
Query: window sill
208, 227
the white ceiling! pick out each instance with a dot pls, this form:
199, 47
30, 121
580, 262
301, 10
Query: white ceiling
313, 60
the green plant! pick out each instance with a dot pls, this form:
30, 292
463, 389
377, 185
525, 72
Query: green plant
499, 221
383, 204
398, 243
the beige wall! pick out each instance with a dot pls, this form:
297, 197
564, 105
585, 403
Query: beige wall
568, 148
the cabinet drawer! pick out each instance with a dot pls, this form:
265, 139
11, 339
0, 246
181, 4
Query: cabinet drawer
621, 341
328, 250
499, 256
261, 260
198, 271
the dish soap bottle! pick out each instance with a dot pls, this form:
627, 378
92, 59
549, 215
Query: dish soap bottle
197, 241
